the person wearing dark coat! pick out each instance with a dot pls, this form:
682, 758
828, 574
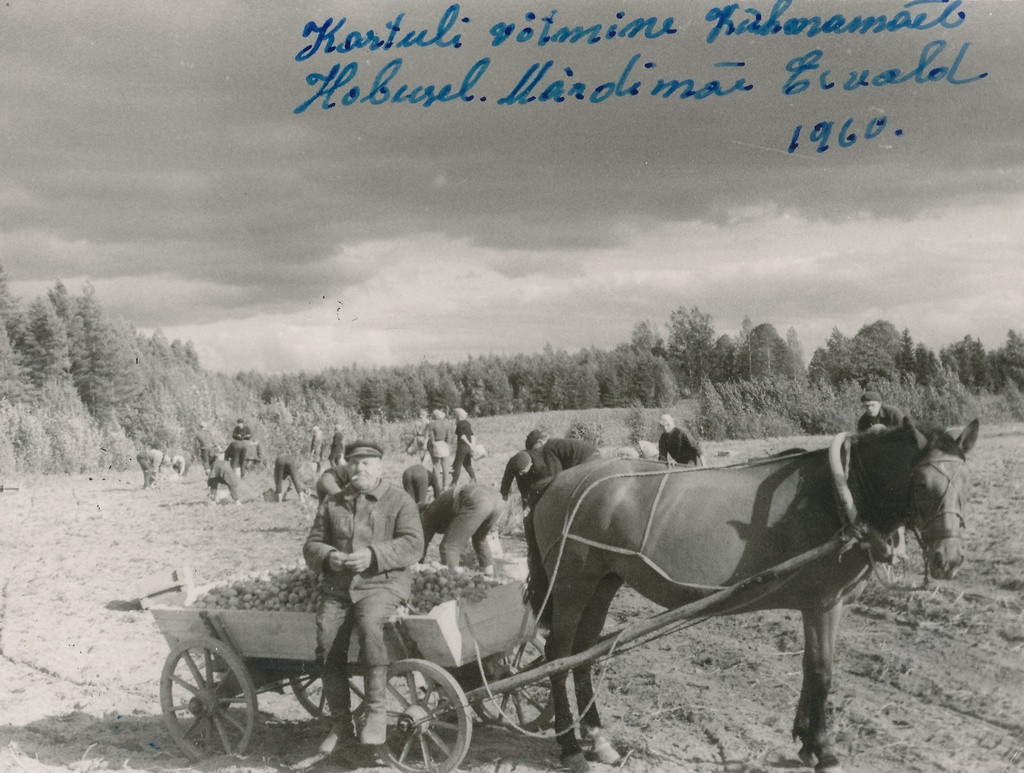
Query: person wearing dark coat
362, 543
560, 454
677, 445
418, 481
876, 414
334, 458
331, 481
206, 445
524, 469
463, 447
463, 514
222, 474
288, 468
241, 431
236, 453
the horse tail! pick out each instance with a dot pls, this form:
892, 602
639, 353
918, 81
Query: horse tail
537, 581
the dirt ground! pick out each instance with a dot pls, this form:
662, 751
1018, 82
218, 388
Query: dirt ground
928, 678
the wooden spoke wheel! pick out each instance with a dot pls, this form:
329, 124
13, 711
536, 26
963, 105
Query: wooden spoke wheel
208, 698
530, 707
309, 692
429, 724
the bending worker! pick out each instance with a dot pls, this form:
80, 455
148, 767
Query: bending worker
362, 543
463, 514
677, 445
418, 481
288, 468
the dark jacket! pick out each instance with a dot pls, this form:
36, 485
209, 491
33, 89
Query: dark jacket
562, 453
679, 444
888, 416
386, 520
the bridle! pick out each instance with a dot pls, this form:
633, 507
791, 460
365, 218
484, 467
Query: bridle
940, 510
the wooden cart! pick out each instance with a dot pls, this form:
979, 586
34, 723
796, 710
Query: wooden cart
220, 660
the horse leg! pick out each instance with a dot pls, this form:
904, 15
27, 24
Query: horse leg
811, 724
586, 635
559, 645
571, 607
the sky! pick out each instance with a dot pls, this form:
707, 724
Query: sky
155, 150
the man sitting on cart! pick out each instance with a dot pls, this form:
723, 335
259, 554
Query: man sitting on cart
362, 542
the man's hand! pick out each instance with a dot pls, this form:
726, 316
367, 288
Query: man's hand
336, 560
359, 561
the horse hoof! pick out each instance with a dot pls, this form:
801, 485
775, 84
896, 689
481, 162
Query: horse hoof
807, 757
576, 763
605, 752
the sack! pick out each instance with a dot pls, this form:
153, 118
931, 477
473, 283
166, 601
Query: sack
440, 449
478, 451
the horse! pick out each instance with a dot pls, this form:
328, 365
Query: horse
680, 534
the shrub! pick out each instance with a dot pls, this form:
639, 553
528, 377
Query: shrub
590, 429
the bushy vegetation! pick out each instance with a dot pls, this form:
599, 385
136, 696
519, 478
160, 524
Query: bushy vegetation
81, 391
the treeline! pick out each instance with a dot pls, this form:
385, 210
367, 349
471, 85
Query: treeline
80, 390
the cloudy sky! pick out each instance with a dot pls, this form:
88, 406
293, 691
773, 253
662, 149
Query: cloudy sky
154, 150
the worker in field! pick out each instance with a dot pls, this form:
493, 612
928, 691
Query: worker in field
877, 416
362, 543
419, 482
336, 454
439, 438
559, 454
179, 464
464, 442
206, 446
288, 468
241, 430
677, 445
331, 481
221, 474
525, 470
150, 460
463, 514
236, 454
316, 447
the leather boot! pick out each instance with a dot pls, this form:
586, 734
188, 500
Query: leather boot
341, 734
375, 720
339, 701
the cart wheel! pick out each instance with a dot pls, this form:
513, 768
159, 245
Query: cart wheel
530, 707
208, 698
309, 692
432, 724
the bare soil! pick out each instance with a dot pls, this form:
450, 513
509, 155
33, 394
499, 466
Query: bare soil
927, 679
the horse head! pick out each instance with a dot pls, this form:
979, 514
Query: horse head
938, 498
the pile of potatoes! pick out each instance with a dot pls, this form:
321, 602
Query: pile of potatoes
296, 589
435, 583
290, 588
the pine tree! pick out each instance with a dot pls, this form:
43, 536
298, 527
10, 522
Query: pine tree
45, 348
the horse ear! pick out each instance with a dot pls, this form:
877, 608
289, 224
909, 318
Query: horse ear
919, 437
968, 437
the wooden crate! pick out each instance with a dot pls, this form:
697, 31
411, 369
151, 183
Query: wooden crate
252, 634
451, 634
455, 632
174, 587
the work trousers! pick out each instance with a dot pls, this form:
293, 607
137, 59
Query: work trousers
336, 619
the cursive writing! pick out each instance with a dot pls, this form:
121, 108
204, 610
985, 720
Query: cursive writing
548, 33
923, 73
384, 90
329, 32
725, 22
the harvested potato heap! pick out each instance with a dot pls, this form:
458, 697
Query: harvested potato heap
295, 589
435, 583
290, 588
